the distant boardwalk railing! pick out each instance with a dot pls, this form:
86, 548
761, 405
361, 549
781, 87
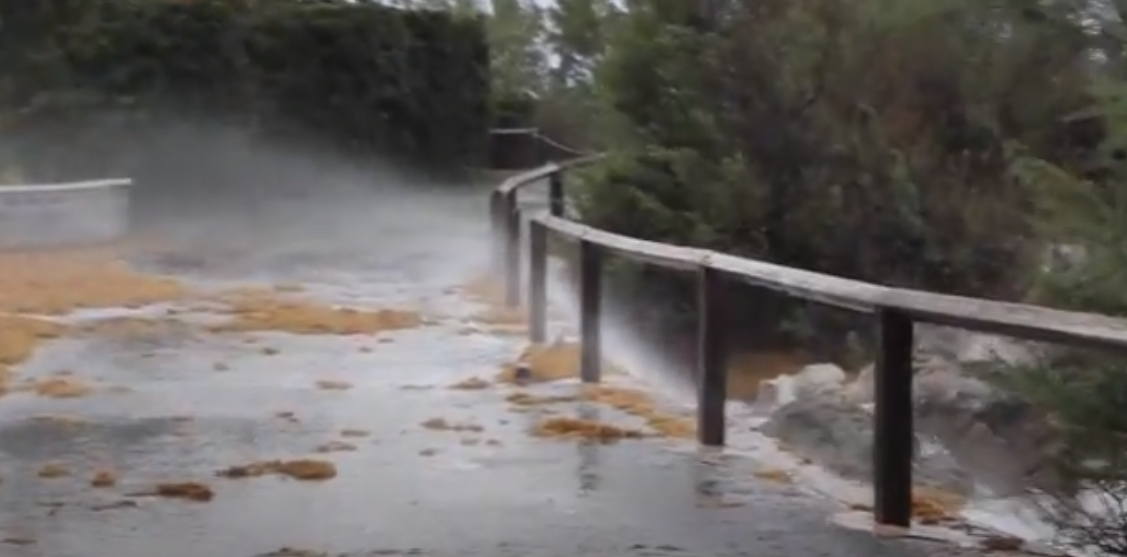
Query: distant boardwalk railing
58, 215
895, 309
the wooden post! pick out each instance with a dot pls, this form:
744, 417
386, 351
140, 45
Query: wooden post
894, 436
712, 377
590, 298
538, 282
512, 251
497, 228
556, 194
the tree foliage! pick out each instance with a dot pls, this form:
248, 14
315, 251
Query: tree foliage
869, 140
356, 77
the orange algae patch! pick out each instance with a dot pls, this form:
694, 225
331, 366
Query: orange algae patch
305, 469
190, 491
491, 293
134, 327
547, 362
587, 430
746, 371
512, 319
929, 505
932, 505
441, 424
103, 478
484, 290
335, 447
526, 399
53, 470
333, 385
58, 281
19, 336
59, 387
640, 405
252, 310
775, 475
471, 384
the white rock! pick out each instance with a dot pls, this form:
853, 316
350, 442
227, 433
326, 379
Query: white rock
966, 347
860, 390
818, 378
776, 392
810, 380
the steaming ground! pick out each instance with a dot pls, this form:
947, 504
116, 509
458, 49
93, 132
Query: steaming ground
199, 402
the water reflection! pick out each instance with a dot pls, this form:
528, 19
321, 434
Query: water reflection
588, 469
711, 480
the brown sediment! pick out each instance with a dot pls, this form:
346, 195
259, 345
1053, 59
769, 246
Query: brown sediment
58, 387
441, 424
588, 430
190, 491
55, 282
335, 447
103, 478
528, 399
746, 371
547, 362
641, 405
929, 505
333, 385
471, 384
305, 469
53, 470
264, 310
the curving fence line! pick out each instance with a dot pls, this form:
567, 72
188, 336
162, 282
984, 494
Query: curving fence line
523, 148
895, 309
58, 215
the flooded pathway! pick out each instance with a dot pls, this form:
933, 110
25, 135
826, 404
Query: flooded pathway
258, 418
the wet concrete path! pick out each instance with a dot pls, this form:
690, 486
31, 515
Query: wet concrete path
197, 402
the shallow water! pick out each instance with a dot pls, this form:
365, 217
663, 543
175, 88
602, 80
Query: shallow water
196, 402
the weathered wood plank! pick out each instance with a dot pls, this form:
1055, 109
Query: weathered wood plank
808, 285
1017, 320
641, 251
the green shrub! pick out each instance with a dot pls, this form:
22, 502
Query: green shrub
868, 140
357, 78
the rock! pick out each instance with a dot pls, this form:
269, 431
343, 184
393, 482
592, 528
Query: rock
1003, 441
809, 381
828, 430
860, 390
833, 432
962, 346
999, 439
818, 378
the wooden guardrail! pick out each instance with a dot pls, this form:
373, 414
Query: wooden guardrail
524, 148
895, 309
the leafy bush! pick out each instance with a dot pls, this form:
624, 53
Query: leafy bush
869, 140
359, 78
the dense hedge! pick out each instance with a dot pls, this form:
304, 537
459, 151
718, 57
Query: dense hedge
358, 78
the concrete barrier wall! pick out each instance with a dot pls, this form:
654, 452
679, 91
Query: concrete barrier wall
54, 215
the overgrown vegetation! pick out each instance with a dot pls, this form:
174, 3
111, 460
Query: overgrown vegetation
947, 145
365, 80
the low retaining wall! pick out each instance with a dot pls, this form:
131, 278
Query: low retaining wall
56, 215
